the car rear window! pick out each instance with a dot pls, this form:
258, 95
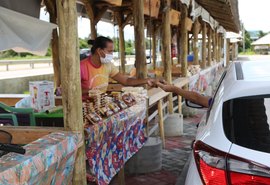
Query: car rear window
246, 122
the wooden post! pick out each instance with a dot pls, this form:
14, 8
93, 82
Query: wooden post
93, 30
214, 44
141, 70
122, 49
204, 30
196, 30
120, 20
154, 47
233, 51
184, 40
161, 123
54, 43
70, 76
180, 104
219, 47
121, 176
179, 43
222, 46
209, 61
91, 14
227, 52
166, 47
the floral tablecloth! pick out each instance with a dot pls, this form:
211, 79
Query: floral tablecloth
112, 142
48, 160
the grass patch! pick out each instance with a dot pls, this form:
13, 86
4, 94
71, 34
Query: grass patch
248, 52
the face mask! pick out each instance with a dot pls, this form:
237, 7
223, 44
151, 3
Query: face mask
108, 58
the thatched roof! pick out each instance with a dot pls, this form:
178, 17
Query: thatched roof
224, 11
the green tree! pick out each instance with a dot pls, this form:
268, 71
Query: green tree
247, 42
83, 43
261, 34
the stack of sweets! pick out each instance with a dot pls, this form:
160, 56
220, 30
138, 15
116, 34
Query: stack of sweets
116, 95
95, 98
85, 112
103, 100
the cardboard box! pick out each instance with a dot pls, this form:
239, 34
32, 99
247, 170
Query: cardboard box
42, 95
114, 2
155, 5
175, 17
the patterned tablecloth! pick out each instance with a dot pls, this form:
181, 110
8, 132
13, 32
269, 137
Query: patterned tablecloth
112, 142
48, 160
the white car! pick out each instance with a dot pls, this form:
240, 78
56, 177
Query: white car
232, 144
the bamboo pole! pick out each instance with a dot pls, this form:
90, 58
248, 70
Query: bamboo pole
166, 47
71, 84
141, 70
196, 30
209, 61
204, 30
184, 40
227, 52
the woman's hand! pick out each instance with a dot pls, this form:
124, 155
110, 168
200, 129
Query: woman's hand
152, 82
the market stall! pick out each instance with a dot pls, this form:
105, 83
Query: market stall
110, 142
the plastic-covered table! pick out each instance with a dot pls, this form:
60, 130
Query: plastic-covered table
48, 160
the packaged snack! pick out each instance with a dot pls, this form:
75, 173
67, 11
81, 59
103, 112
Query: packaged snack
93, 117
114, 107
129, 99
121, 104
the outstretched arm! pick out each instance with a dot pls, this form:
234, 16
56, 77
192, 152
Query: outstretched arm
189, 95
127, 81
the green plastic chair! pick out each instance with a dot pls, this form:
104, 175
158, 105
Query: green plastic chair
10, 113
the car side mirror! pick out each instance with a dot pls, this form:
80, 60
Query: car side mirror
193, 105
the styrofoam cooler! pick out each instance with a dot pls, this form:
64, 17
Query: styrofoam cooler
42, 95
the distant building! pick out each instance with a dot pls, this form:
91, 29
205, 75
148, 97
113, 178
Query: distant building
262, 45
254, 35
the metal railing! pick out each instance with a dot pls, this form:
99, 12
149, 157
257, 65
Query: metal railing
31, 62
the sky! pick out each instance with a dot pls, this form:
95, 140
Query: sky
103, 28
254, 14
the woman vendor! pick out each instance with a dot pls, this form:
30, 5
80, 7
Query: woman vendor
98, 68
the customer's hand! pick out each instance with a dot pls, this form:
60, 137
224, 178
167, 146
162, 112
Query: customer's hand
165, 86
152, 82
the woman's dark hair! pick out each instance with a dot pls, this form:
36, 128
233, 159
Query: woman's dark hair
99, 42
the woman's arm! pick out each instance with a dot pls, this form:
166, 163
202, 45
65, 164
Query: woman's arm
127, 81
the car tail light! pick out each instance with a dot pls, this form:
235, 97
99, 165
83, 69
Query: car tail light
245, 172
219, 168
